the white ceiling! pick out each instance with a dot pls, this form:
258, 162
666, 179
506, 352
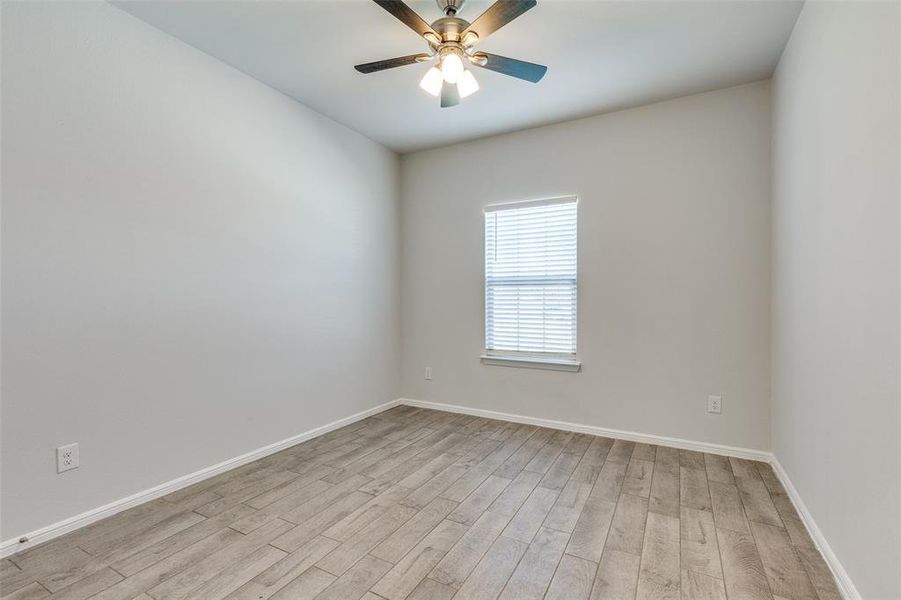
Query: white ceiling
601, 56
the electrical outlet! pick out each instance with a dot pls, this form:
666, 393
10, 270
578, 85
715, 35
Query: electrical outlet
428, 373
715, 404
66, 458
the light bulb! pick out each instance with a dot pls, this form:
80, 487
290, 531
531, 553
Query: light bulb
467, 84
451, 67
431, 82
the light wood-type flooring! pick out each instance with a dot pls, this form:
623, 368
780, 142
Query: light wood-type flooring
420, 504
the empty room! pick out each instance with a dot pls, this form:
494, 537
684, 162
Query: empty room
450, 299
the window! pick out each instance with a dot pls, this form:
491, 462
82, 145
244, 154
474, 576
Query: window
530, 284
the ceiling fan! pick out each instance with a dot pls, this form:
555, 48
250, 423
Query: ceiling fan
452, 41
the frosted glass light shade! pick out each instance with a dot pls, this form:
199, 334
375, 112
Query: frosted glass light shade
451, 67
467, 84
432, 80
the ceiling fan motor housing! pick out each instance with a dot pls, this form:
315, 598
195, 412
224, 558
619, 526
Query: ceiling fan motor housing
450, 7
450, 28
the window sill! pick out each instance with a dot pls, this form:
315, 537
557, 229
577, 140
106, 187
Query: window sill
549, 364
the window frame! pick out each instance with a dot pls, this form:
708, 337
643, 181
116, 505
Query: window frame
515, 358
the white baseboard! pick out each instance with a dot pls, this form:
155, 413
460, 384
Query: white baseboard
631, 436
49, 532
845, 585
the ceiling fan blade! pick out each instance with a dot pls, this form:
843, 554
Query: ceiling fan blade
390, 63
499, 14
512, 67
407, 15
450, 95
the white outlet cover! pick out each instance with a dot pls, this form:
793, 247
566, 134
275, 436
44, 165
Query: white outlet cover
67, 458
715, 404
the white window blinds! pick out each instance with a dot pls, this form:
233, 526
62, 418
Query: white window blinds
530, 278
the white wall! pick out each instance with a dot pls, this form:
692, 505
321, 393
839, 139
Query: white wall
194, 266
836, 300
674, 286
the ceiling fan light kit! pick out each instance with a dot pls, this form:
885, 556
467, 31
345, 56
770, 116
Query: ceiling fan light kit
451, 41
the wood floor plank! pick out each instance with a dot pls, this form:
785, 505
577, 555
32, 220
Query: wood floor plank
718, 469
693, 489
357, 581
129, 565
513, 465
92, 584
531, 515
306, 586
314, 505
592, 461
565, 512
617, 576
689, 459
474, 477
621, 451
60, 569
744, 469
534, 572
545, 457
477, 502
664, 496
743, 571
169, 567
697, 586
247, 489
560, 471
202, 571
610, 481
818, 572
659, 576
300, 489
231, 579
393, 548
421, 496
756, 499
783, 568
728, 511
590, 533
644, 452
13, 578
343, 529
42, 563
32, 591
572, 580
429, 589
700, 551
318, 523
412, 568
491, 574
667, 460
793, 524
638, 477
428, 471
342, 558
514, 495
458, 563
773, 485
627, 528
104, 540
410, 460
292, 566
